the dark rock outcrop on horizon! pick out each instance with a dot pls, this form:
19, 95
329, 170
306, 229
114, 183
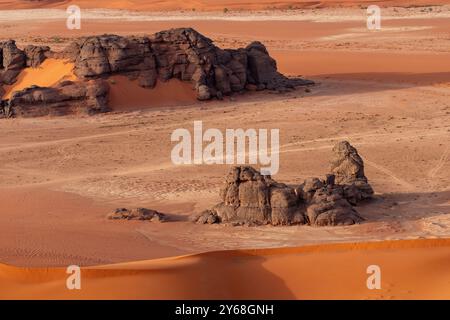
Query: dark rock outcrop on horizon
248, 198
182, 54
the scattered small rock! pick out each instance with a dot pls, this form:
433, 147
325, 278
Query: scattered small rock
137, 214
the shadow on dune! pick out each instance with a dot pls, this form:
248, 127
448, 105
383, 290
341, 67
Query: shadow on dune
225, 275
216, 275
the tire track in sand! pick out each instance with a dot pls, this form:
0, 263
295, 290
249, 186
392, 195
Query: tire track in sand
441, 163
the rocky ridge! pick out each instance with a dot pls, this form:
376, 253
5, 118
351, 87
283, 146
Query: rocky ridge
182, 54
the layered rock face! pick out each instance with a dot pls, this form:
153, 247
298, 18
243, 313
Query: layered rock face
248, 198
102, 56
182, 54
66, 98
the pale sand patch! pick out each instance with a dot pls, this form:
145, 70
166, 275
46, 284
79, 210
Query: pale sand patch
158, 14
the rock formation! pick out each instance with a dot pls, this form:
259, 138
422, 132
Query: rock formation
182, 54
12, 61
136, 214
348, 168
248, 198
35, 55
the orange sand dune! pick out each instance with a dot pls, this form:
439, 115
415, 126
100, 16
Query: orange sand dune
208, 5
127, 95
50, 72
409, 270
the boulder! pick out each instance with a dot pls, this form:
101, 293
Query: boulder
348, 168
35, 55
136, 214
206, 217
262, 70
182, 54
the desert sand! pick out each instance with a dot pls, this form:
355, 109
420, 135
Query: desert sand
311, 272
386, 92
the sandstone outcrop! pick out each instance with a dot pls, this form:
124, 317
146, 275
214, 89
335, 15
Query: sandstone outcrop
137, 214
35, 55
183, 54
348, 168
249, 198
253, 199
